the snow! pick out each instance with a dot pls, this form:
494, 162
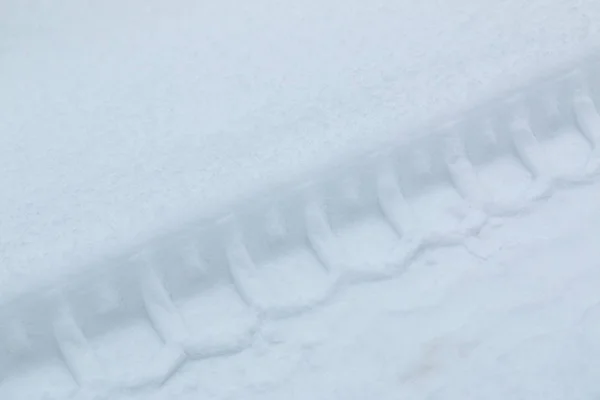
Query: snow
121, 120
522, 323
434, 276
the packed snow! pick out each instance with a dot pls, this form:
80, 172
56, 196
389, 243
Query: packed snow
522, 323
124, 121
120, 120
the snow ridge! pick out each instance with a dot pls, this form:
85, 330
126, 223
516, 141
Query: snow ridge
130, 325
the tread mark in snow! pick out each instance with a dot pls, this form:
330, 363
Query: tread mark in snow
296, 252
76, 351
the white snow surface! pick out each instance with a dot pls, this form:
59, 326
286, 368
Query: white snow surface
121, 119
521, 324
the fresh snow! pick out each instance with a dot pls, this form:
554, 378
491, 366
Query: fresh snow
122, 122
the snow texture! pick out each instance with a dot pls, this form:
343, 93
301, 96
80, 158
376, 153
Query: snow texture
243, 200
122, 120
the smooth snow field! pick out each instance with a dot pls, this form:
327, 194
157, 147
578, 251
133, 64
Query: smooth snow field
244, 200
